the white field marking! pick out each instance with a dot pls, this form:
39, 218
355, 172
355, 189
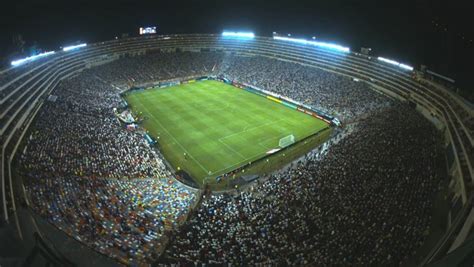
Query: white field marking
240, 163
237, 164
250, 129
246, 127
190, 155
248, 158
275, 137
235, 151
244, 161
271, 138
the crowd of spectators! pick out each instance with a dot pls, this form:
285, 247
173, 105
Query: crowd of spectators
331, 93
159, 66
366, 201
334, 94
124, 219
100, 183
78, 134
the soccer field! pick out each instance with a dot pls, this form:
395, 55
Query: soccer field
218, 126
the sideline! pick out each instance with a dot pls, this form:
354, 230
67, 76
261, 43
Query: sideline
161, 125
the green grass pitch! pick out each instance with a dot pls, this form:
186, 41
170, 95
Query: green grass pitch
219, 127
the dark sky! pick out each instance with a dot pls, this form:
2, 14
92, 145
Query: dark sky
437, 33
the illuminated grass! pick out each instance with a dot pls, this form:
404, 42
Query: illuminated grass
218, 126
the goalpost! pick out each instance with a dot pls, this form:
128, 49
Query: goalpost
286, 141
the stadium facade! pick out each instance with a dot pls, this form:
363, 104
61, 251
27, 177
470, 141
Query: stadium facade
24, 89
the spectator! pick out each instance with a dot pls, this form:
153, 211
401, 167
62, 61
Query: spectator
364, 198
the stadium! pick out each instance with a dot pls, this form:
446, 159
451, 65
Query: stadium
233, 149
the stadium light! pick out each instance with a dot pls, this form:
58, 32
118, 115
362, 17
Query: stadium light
403, 66
29, 59
315, 43
395, 63
72, 47
249, 35
389, 61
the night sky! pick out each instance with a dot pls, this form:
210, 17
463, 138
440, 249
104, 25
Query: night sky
437, 33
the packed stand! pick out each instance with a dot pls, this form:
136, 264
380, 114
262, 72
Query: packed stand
125, 219
97, 181
366, 202
156, 66
331, 93
79, 134
334, 94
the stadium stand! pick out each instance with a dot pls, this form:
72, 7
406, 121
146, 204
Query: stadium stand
344, 208
331, 93
78, 134
126, 220
366, 200
151, 68
76, 142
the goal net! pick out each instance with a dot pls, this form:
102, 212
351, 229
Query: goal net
286, 141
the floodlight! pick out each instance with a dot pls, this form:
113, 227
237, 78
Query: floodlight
315, 43
250, 35
29, 59
395, 63
72, 47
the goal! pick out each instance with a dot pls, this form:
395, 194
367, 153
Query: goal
286, 141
